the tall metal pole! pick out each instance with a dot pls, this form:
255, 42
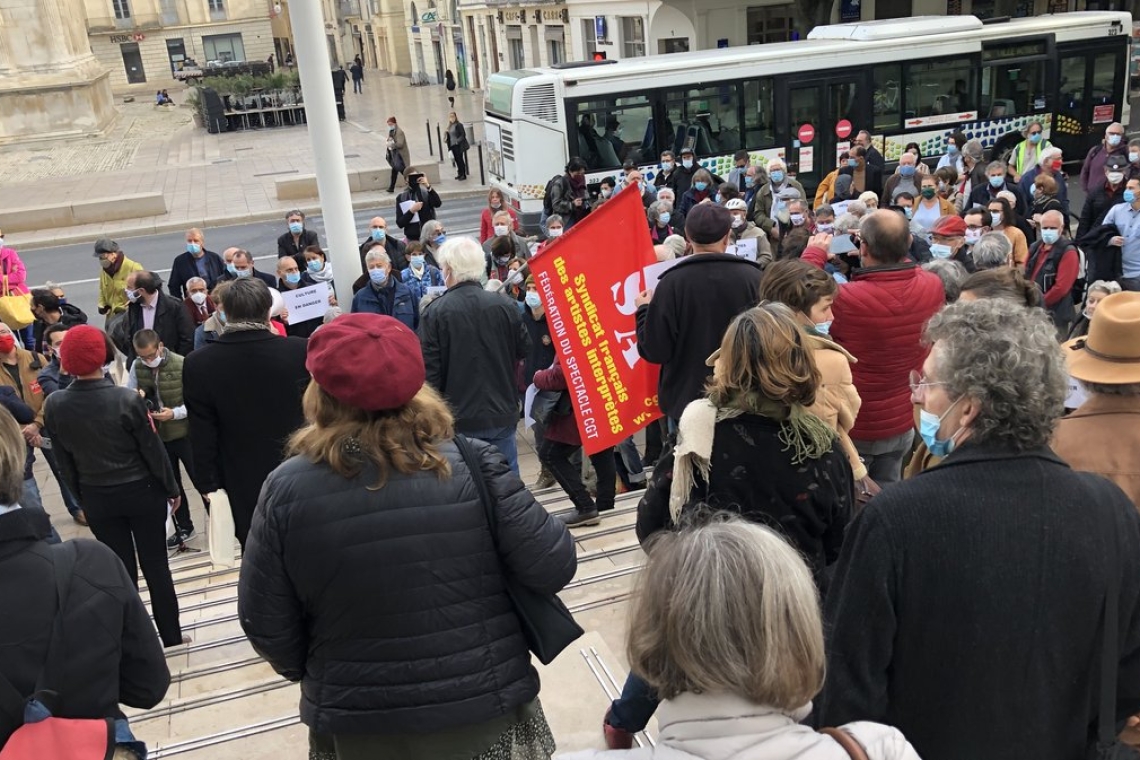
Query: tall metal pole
313, 65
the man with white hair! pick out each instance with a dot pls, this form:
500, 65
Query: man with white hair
992, 251
471, 341
1049, 164
904, 180
767, 204
1113, 144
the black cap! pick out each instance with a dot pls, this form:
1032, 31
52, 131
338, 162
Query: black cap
105, 245
707, 223
687, 152
1116, 162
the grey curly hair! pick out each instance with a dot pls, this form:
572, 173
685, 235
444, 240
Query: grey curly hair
1006, 358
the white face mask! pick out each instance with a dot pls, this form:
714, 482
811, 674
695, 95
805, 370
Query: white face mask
554, 232
1116, 177
153, 363
737, 222
500, 230
198, 298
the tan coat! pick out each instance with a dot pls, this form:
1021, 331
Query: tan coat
837, 402
1103, 436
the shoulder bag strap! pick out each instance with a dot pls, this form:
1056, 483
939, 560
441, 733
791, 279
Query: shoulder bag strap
468, 454
1110, 648
849, 743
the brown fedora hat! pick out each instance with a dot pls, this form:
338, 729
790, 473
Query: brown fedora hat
1110, 354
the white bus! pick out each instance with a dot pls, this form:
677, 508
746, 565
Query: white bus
906, 80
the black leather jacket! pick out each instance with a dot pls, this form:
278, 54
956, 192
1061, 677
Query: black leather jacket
103, 436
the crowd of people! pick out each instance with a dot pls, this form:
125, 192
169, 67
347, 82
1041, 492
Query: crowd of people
886, 412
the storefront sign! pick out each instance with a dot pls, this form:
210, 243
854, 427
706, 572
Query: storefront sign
589, 301
119, 39
429, 18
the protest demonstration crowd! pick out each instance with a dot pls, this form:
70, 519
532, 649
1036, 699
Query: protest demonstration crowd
887, 439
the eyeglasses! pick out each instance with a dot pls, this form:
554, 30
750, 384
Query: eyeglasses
919, 383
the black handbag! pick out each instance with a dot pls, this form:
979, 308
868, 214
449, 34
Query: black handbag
549, 404
546, 623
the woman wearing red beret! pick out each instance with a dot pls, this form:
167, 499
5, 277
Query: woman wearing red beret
371, 574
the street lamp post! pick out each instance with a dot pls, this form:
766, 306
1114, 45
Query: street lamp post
312, 56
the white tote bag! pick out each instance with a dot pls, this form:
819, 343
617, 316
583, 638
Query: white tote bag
221, 535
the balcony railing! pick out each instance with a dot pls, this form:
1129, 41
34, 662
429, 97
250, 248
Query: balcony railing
138, 22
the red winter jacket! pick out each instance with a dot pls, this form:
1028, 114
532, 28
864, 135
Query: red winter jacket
879, 318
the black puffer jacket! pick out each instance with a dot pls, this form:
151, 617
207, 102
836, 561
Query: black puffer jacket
113, 654
389, 605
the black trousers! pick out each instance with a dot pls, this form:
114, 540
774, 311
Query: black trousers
131, 518
556, 457
181, 451
460, 160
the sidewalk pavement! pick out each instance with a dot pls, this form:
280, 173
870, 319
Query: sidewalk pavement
214, 180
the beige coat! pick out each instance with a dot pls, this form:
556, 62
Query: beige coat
837, 402
1103, 436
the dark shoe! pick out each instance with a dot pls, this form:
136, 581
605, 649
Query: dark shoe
80, 517
545, 479
616, 738
582, 519
180, 537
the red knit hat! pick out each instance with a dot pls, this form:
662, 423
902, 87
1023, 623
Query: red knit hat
84, 350
368, 361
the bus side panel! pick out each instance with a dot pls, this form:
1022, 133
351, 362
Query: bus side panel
933, 143
522, 177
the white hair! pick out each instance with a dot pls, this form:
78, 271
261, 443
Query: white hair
377, 253
1048, 154
778, 163
189, 282
464, 258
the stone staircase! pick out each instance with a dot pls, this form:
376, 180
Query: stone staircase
225, 702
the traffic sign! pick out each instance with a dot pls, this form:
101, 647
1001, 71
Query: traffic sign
806, 133
843, 129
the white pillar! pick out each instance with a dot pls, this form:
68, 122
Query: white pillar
312, 54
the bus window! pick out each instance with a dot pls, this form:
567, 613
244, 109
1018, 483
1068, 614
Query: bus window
1010, 89
611, 130
759, 119
1104, 79
888, 96
706, 120
939, 87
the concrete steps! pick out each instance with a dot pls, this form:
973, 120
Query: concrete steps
225, 702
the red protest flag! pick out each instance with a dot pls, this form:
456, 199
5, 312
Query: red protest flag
588, 279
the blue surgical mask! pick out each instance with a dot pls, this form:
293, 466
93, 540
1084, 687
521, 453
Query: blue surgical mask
440, 239
929, 424
951, 149
193, 248
749, 181
853, 162
533, 300
1035, 138
665, 217
378, 235
823, 328
378, 276
1133, 156
906, 171
1129, 196
940, 250
231, 268
296, 228
221, 316
417, 261
243, 272
293, 278
1114, 140
997, 181
700, 186
908, 212
776, 175
315, 265
1050, 236
666, 166
687, 163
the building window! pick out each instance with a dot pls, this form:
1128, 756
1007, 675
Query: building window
590, 35
554, 51
632, 36
515, 47
217, 6
122, 8
770, 23
224, 47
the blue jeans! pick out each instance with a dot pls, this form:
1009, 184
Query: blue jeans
633, 709
68, 499
504, 440
631, 460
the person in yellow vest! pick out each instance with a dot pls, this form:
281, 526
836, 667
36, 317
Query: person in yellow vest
157, 375
1026, 153
113, 279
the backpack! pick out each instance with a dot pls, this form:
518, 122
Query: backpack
548, 196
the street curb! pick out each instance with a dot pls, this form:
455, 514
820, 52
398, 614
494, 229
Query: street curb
118, 233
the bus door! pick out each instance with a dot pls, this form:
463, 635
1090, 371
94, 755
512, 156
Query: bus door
1090, 94
817, 116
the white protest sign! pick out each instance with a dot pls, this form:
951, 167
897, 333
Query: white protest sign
653, 272
307, 303
745, 249
1076, 394
405, 205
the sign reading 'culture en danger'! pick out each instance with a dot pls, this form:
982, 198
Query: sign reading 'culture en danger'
589, 279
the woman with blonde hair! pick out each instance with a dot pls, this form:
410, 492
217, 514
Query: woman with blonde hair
371, 574
737, 679
751, 448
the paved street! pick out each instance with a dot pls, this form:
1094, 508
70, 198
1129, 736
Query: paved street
74, 268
